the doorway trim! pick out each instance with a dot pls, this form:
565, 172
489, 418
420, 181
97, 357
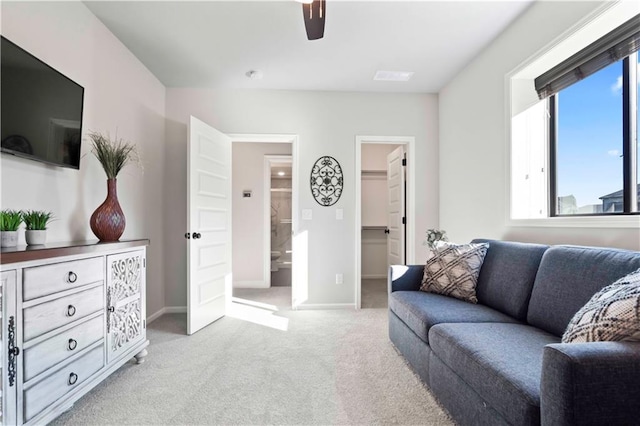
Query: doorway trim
268, 164
293, 140
409, 143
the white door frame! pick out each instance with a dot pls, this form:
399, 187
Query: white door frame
409, 142
268, 160
278, 138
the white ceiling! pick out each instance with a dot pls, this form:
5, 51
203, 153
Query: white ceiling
214, 43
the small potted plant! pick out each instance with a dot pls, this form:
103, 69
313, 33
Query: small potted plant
10, 221
36, 223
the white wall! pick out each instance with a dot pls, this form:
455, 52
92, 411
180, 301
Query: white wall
248, 213
120, 93
327, 123
474, 140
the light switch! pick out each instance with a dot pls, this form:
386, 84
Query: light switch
307, 214
339, 214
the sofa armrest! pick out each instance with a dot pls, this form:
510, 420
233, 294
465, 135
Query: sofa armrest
405, 277
590, 384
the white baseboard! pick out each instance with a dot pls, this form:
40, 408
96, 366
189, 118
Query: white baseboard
250, 284
374, 277
166, 310
309, 306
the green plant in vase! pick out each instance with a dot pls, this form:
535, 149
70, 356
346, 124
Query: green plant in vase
108, 221
10, 221
36, 222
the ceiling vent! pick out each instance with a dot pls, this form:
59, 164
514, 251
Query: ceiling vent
393, 75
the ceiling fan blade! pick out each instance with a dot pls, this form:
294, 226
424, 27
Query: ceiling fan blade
314, 16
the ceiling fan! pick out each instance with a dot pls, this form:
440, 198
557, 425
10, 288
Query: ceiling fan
314, 12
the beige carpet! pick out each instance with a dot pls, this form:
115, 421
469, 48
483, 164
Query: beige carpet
328, 367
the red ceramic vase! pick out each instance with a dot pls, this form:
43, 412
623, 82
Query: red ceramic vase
108, 221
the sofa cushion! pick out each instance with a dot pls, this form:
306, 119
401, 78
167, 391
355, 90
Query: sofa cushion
507, 276
420, 311
501, 362
452, 270
568, 277
612, 314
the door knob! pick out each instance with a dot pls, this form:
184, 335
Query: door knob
187, 235
196, 235
386, 230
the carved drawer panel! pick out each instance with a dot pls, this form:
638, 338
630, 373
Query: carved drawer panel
125, 312
41, 281
62, 381
125, 328
42, 318
44, 355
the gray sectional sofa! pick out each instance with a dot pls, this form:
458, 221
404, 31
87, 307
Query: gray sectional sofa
501, 361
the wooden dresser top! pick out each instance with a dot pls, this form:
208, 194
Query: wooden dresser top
49, 250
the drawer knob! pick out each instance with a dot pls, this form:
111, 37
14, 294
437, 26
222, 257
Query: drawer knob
72, 344
71, 310
72, 277
111, 309
73, 378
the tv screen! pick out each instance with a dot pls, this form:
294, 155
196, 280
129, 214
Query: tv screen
41, 109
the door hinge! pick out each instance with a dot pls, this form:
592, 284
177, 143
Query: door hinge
404, 161
144, 323
404, 220
144, 262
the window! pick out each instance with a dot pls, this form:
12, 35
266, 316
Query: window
593, 116
587, 117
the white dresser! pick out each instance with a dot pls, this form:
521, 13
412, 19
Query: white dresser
71, 315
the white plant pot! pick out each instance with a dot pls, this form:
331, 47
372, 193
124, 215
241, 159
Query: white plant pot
35, 237
8, 238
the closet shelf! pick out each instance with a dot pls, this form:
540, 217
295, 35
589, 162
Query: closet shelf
373, 227
280, 189
374, 174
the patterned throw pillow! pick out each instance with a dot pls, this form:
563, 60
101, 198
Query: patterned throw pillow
612, 314
453, 269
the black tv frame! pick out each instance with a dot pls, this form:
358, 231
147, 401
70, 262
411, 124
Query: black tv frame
35, 157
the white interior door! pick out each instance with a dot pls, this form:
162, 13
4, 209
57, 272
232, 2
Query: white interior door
395, 207
209, 224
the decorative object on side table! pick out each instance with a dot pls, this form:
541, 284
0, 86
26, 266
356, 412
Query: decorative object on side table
36, 222
326, 181
10, 221
108, 221
434, 236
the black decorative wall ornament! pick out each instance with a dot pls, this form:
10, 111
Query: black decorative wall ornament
326, 181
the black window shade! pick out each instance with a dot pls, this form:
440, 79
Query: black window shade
616, 45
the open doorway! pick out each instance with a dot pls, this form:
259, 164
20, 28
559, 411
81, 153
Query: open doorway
278, 187
384, 213
264, 200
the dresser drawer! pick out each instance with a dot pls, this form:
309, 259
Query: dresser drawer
60, 347
48, 279
48, 316
64, 380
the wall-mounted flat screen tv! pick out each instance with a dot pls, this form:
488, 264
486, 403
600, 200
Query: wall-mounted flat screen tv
41, 109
